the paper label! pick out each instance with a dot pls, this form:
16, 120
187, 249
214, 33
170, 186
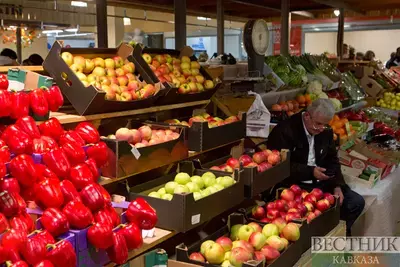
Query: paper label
135, 152
148, 233
258, 118
195, 219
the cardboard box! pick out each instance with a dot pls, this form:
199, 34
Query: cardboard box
353, 175
172, 263
20, 79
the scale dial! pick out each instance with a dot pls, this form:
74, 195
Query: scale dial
256, 37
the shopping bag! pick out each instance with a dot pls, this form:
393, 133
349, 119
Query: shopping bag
258, 118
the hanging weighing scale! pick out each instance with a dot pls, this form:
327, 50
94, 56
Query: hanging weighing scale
256, 42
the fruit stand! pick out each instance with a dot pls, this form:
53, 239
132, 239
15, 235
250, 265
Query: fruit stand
141, 148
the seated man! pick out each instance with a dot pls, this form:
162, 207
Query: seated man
313, 160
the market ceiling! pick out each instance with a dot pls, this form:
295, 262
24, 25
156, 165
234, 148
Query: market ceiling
247, 9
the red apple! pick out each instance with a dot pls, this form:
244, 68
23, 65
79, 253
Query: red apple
280, 222
196, 256
322, 205
258, 212
265, 220
301, 208
258, 256
243, 244
270, 253
281, 205
272, 213
255, 226
251, 165
282, 214
225, 242
296, 190
317, 193
267, 152
317, 213
298, 199
309, 206
215, 168
310, 198
146, 132
292, 216
287, 194
234, 163
273, 159
265, 166
330, 198
257, 240
291, 204
270, 206
291, 232
239, 256
304, 193
259, 157
293, 210
310, 216
245, 160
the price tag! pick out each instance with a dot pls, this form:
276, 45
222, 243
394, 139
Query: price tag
195, 219
135, 152
148, 233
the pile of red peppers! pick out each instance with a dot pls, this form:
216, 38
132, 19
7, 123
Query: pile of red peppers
64, 185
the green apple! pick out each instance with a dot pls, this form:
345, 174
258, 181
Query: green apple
170, 187
218, 180
218, 187
167, 197
234, 232
206, 192
226, 263
209, 180
212, 189
245, 232
208, 174
205, 245
182, 178
197, 196
162, 191
154, 194
193, 187
227, 181
270, 230
198, 180
181, 189
227, 255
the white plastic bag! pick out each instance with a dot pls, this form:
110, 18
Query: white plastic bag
258, 118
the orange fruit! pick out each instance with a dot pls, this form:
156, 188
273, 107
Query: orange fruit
341, 131
308, 102
307, 97
301, 99
336, 118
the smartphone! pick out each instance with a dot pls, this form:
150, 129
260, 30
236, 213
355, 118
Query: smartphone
330, 173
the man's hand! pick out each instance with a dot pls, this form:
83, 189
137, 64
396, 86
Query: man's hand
338, 192
319, 173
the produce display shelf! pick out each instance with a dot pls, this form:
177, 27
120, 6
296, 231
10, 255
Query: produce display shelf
160, 235
4, 69
357, 105
72, 118
106, 181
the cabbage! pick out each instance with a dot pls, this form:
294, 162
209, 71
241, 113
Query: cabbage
336, 103
322, 95
314, 87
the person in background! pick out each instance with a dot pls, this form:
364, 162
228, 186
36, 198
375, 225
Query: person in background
395, 61
8, 57
359, 56
313, 157
392, 55
36, 60
369, 55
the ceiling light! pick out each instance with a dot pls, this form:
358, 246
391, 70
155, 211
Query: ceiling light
71, 30
316, 29
78, 3
76, 34
203, 18
171, 21
127, 21
336, 12
52, 31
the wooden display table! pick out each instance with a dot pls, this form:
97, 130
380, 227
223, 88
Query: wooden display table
306, 258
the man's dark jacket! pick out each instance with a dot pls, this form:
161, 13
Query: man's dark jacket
290, 134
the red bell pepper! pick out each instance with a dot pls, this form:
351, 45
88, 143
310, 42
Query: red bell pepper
10, 185
44, 263
28, 125
54, 221
4, 153
74, 152
81, 176
88, 132
3, 82
3, 223
71, 137
3, 169
17, 141
118, 252
52, 127
48, 194
14, 239
9, 254
92, 197
54, 98
69, 191
133, 236
45, 173
19, 104
21, 202
34, 251
23, 169
57, 161
106, 195
78, 215
18, 223
98, 152
18, 264
103, 217
100, 230
114, 215
3, 255
45, 237
5, 103
141, 213
62, 254
28, 220
38, 102
93, 167
43, 144
8, 204
28, 193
